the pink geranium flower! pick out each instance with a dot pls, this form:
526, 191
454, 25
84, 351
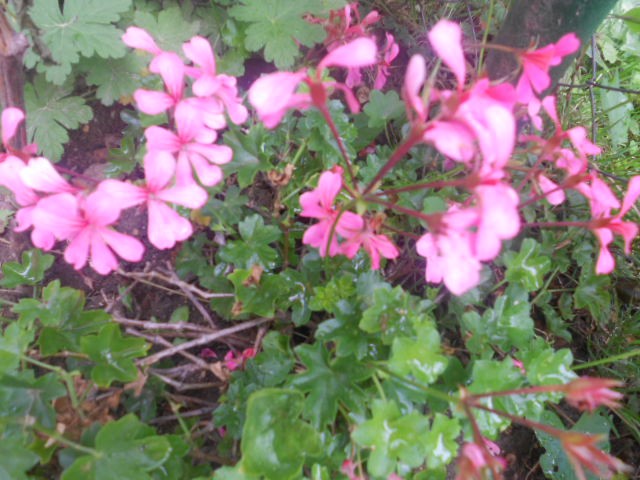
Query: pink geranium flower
209, 84
390, 52
498, 219
86, 224
536, 65
318, 204
193, 144
475, 460
171, 68
139, 38
588, 393
375, 244
449, 251
272, 95
27, 198
166, 226
582, 451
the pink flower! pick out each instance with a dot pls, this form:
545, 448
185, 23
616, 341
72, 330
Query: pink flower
209, 84
449, 252
27, 198
193, 144
41, 175
86, 224
390, 52
588, 393
11, 118
139, 38
318, 204
536, 65
374, 244
166, 226
498, 219
413, 80
235, 362
475, 460
583, 451
272, 95
170, 67
446, 39
604, 225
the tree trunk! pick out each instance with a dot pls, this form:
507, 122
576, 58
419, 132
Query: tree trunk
540, 22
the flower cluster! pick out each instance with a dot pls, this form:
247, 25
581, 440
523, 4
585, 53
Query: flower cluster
178, 163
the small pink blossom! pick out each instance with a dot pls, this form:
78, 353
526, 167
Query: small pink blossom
536, 65
498, 219
171, 68
193, 144
139, 38
86, 223
449, 251
318, 204
588, 393
376, 245
389, 53
582, 451
166, 226
235, 362
11, 118
446, 39
475, 460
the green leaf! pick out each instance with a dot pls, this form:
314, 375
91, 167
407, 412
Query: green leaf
528, 267
169, 28
113, 355
419, 356
126, 449
545, 365
632, 19
593, 293
24, 396
14, 342
327, 297
383, 107
276, 25
115, 78
508, 324
29, 272
51, 111
259, 298
275, 442
554, 462
248, 153
393, 438
83, 27
328, 382
254, 247
228, 212
441, 441
618, 108
15, 459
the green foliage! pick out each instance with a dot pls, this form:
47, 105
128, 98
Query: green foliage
276, 25
275, 441
81, 28
253, 248
51, 111
29, 272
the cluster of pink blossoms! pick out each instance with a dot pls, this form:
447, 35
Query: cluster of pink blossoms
474, 125
178, 161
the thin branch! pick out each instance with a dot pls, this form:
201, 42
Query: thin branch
202, 341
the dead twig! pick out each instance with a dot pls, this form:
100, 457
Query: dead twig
148, 325
201, 341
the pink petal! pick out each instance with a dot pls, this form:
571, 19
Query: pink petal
553, 194
126, 246
59, 214
159, 167
218, 154
136, 37
159, 138
199, 51
190, 196
153, 102
361, 52
208, 174
10, 178
446, 39
11, 118
606, 262
77, 252
170, 67
103, 260
567, 45
189, 123
271, 93
41, 175
452, 139
166, 226
100, 209
413, 80
633, 192
42, 238
124, 195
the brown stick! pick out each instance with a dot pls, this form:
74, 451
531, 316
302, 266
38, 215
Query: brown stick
12, 47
